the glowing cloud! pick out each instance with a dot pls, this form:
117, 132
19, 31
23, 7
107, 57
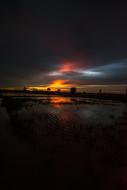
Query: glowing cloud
55, 73
67, 67
90, 73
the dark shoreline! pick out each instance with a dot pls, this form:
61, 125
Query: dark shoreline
30, 94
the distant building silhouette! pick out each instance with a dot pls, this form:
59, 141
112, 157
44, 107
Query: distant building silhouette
73, 90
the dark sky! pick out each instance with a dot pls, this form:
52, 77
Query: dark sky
81, 43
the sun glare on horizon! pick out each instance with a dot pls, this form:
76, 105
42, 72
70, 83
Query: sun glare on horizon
59, 84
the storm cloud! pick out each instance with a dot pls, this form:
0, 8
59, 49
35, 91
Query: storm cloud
38, 37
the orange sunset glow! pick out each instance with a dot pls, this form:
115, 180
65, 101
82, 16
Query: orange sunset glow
59, 84
54, 85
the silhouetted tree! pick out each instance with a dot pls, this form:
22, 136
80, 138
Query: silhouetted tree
73, 90
25, 88
48, 89
100, 91
58, 90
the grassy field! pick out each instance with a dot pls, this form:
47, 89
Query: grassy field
63, 143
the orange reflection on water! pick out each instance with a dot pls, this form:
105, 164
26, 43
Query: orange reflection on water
58, 101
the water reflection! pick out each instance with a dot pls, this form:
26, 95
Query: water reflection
104, 115
4, 117
59, 101
68, 112
75, 143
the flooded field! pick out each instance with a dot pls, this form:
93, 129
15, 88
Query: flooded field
63, 142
